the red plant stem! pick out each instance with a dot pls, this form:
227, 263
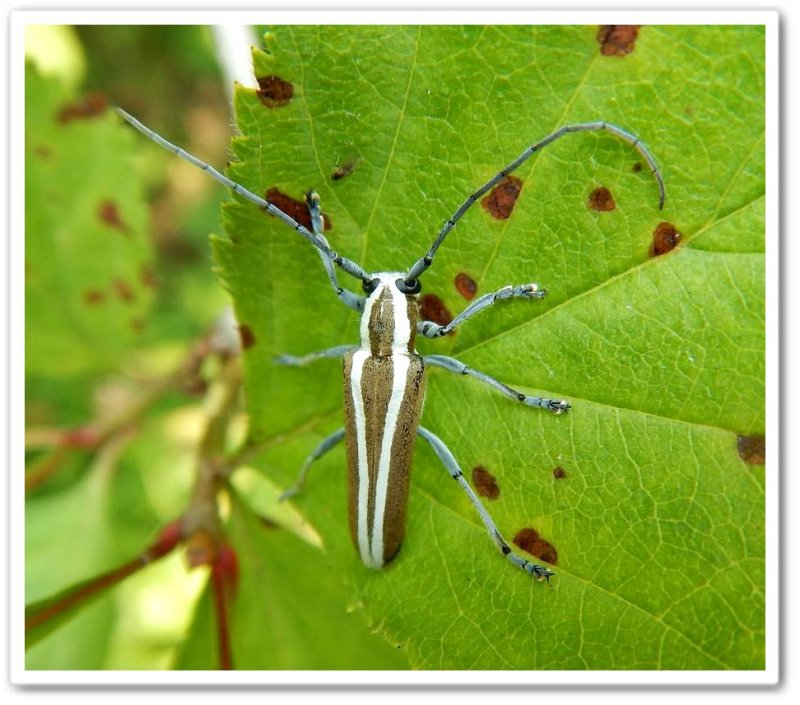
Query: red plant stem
169, 537
221, 611
84, 592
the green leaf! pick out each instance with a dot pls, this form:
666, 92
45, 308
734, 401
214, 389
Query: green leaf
658, 524
72, 536
87, 256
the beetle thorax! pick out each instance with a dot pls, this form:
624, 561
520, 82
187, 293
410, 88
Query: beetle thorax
389, 320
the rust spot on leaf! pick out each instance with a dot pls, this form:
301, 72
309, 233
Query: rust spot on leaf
247, 336
137, 324
340, 171
665, 238
123, 291
432, 308
601, 200
559, 473
637, 167
466, 285
529, 540
146, 276
485, 483
91, 105
752, 449
294, 208
93, 297
500, 201
274, 91
43, 151
617, 39
109, 214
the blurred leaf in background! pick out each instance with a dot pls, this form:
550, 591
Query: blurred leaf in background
119, 299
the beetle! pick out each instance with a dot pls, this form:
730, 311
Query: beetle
384, 376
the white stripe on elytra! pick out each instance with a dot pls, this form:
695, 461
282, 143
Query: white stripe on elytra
359, 357
371, 547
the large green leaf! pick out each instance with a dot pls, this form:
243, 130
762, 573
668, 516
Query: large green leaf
658, 523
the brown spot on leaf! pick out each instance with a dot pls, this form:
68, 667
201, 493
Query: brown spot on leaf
93, 297
146, 275
340, 171
529, 540
43, 151
294, 208
137, 324
637, 167
274, 91
665, 238
617, 39
466, 285
559, 473
123, 291
752, 449
502, 198
247, 336
485, 483
109, 214
601, 200
432, 308
89, 106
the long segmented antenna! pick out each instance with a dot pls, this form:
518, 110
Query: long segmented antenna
424, 262
316, 239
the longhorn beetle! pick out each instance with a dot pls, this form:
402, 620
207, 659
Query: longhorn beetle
384, 380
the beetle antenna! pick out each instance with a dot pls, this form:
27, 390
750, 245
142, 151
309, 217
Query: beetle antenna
318, 240
425, 261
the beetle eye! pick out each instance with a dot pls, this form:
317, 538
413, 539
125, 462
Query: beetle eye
412, 287
370, 285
